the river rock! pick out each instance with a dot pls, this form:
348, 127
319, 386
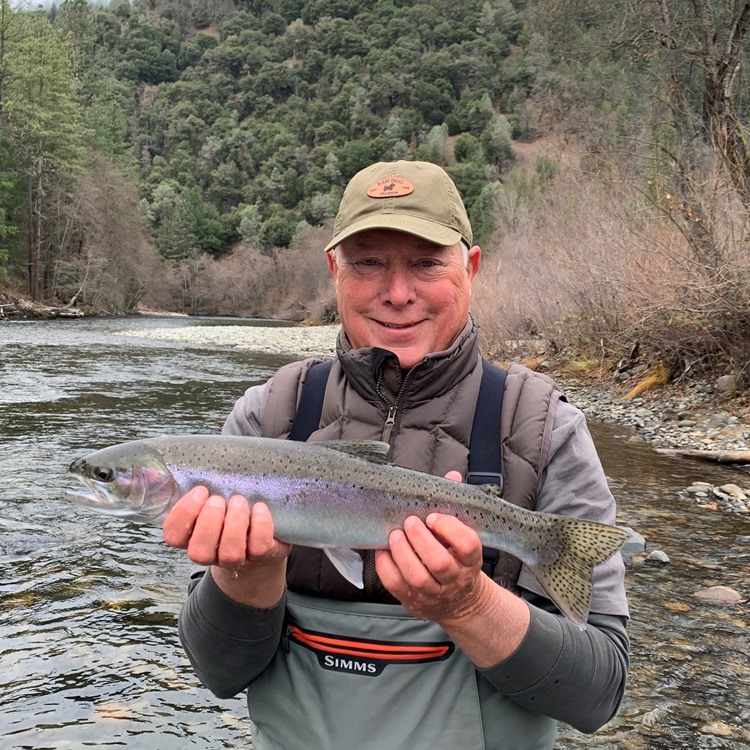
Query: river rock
727, 384
635, 544
718, 729
733, 491
718, 595
657, 556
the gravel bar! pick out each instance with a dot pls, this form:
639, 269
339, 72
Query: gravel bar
300, 341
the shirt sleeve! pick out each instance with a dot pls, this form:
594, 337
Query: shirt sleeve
573, 483
560, 671
228, 644
245, 417
563, 672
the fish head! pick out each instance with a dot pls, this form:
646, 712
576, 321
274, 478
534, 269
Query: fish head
130, 480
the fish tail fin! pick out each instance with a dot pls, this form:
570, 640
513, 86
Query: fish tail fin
568, 580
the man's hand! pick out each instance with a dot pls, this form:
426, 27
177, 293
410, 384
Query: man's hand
248, 563
434, 568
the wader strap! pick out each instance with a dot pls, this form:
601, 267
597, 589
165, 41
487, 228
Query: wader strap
310, 407
484, 447
485, 462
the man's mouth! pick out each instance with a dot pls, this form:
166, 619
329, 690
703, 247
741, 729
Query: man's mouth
397, 326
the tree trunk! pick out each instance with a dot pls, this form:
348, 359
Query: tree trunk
722, 78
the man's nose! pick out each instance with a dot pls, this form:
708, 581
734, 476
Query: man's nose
399, 286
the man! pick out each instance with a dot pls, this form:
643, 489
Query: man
433, 652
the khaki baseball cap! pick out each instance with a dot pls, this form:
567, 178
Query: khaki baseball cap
415, 197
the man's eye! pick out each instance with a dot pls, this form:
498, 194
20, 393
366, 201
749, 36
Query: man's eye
427, 265
367, 265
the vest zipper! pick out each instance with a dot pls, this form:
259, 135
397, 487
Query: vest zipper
393, 409
369, 576
390, 422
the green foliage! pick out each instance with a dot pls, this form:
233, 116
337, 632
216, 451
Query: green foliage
278, 230
281, 107
466, 147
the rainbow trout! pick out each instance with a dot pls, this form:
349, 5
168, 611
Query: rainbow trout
340, 496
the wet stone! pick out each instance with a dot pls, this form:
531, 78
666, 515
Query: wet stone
718, 595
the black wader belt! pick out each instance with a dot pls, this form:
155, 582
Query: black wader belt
485, 447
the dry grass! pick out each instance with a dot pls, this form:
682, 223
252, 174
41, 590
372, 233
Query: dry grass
597, 273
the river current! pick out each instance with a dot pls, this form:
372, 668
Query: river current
89, 654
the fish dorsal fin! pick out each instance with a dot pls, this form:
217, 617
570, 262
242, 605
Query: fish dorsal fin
373, 451
496, 490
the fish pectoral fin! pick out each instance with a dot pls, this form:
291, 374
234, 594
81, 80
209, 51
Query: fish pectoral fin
348, 562
373, 451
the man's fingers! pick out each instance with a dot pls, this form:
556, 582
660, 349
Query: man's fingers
178, 525
407, 556
462, 541
260, 540
204, 541
233, 543
431, 553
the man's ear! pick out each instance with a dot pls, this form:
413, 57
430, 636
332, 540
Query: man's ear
331, 260
472, 267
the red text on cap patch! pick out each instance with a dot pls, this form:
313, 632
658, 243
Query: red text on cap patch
389, 187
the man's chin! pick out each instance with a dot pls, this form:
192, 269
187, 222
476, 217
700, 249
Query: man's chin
407, 356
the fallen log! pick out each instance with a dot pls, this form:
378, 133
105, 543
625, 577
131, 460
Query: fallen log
723, 457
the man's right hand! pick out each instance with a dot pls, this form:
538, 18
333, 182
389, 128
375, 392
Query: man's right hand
247, 562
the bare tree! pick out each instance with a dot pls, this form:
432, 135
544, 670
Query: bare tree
106, 259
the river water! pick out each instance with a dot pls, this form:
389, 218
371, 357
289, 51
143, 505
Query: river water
89, 654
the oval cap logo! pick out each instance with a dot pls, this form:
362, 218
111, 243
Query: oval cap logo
390, 187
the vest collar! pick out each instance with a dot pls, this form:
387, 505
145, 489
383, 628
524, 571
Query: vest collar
437, 373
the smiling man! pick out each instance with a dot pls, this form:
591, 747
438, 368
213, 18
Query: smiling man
446, 645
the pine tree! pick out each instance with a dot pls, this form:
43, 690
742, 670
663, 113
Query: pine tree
43, 121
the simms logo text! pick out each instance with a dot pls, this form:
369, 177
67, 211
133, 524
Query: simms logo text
357, 666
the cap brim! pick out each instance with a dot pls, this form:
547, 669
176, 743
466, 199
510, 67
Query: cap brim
431, 231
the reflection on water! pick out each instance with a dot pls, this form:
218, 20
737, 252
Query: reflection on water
89, 655
88, 605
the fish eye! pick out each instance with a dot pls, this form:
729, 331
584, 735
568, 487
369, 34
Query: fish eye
102, 473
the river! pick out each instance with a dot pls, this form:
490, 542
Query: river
89, 654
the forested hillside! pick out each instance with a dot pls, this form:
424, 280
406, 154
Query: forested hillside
191, 155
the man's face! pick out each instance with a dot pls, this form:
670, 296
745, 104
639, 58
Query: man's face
401, 293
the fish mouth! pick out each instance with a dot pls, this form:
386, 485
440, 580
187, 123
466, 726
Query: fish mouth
96, 498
